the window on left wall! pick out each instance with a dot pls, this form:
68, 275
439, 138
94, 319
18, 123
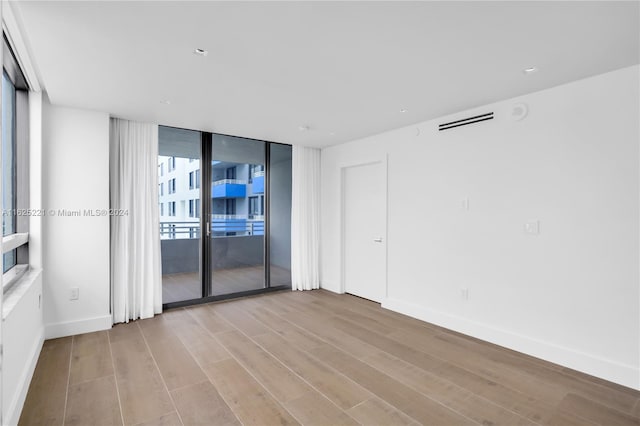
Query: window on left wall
15, 184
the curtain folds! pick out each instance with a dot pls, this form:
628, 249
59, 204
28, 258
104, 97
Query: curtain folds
136, 280
305, 219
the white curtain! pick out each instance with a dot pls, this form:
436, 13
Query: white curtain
305, 219
136, 280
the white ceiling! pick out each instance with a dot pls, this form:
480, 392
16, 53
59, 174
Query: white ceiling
345, 69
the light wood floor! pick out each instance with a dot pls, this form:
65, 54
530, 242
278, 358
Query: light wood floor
306, 357
187, 286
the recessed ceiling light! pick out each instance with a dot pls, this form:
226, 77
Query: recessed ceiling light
332, 134
165, 102
303, 128
200, 52
530, 70
403, 110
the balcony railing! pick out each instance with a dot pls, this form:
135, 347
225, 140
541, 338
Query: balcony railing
230, 181
179, 230
228, 216
222, 226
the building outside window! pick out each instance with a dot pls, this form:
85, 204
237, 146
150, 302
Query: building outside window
8, 166
253, 169
231, 173
256, 206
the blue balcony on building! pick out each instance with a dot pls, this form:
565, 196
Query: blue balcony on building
229, 188
258, 183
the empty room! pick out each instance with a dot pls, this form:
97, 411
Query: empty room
320, 213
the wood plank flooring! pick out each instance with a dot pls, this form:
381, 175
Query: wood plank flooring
314, 358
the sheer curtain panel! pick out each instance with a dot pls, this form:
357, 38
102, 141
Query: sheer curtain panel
305, 219
136, 280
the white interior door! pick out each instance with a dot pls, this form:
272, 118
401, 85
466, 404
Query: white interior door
364, 230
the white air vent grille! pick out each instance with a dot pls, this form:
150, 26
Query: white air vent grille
465, 121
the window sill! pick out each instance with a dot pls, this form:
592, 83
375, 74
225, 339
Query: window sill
13, 241
19, 288
12, 276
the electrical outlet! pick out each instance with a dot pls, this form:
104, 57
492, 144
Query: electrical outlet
74, 294
464, 293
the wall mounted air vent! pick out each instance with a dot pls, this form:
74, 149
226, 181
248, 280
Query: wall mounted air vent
464, 122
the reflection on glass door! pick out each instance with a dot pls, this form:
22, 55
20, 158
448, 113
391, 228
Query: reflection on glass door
179, 198
237, 222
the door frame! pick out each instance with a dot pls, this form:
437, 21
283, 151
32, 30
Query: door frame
384, 161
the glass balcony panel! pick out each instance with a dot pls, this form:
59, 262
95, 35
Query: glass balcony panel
179, 156
237, 246
280, 218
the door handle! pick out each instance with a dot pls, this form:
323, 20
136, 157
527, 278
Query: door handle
208, 230
377, 240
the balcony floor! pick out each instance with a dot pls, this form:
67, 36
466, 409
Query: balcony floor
186, 286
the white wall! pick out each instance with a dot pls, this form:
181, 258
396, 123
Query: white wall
76, 249
570, 294
23, 334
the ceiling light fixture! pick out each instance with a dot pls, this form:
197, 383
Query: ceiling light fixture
403, 110
530, 70
165, 102
200, 52
303, 128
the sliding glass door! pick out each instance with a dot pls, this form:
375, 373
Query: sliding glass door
179, 194
225, 209
237, 215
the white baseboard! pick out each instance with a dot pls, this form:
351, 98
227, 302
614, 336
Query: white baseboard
15, 407
626, 375
70, 328
330, 286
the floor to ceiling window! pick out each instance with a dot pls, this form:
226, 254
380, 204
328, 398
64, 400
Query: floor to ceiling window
15, 171
8, 166
238, 244
225, 217
180, 245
